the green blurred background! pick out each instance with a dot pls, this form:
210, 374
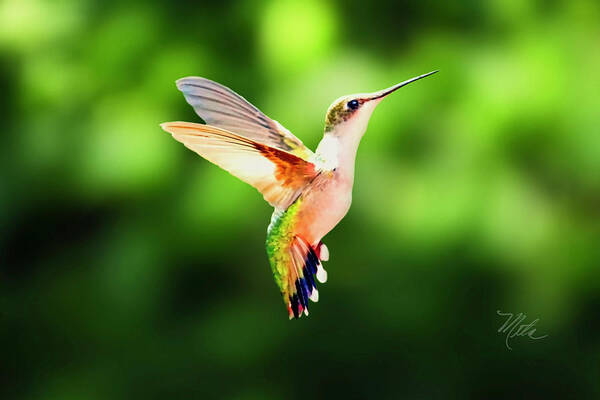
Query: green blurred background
131, 268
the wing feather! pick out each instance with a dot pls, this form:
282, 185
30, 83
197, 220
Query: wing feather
221, 107
280, 176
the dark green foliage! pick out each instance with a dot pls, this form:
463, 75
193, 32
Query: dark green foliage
133, 269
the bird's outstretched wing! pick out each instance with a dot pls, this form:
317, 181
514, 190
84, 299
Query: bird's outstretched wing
220, 106
279, 175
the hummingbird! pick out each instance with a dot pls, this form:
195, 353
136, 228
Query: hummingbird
310, 191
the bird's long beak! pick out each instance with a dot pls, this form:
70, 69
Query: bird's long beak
382, 93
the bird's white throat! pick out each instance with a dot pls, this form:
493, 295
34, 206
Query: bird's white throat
337, 150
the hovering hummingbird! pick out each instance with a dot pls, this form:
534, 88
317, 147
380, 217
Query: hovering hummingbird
311, 192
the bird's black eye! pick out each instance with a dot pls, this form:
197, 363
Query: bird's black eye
353, 104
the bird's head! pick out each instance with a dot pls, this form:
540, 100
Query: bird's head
352, 112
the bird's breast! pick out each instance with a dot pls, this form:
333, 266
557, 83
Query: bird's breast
324, 203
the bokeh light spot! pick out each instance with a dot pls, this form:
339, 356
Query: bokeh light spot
295, 33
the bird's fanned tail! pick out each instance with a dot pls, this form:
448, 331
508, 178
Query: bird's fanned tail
296, 264
303, 283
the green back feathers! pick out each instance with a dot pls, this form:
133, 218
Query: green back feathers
279, 237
